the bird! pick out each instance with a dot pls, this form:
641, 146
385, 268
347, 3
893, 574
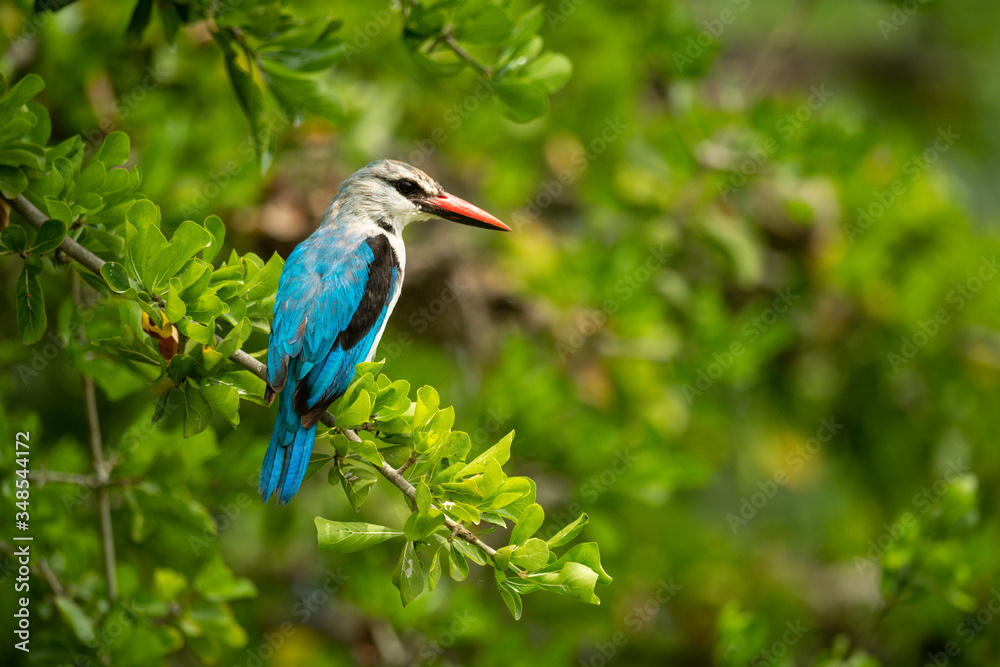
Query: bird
335, 294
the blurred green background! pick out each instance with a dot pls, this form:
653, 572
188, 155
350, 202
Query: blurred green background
747, 322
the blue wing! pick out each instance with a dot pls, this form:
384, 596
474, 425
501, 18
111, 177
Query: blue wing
330, 306
333, 299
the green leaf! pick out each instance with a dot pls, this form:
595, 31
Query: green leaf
216, 582
427, 404
511, 598
586, 553
551, 71
251, 100
50, 236
116, 277
141, 15
217, 229
344, 537
573, 580
114, 150
423, 495
357, 482
568, 532
393, 400
532, 555
14, 238
130, 346
502, 557
51, 5
12, 181
493, 478
529, 523
224, 399
197, 410
480, 22
435, 571
368, 367
145, 244
357, 413
81, 624
159, 411
21, 153
299, 94
16, 128
471, 552
316, 462
175, 308
58, 210
456, 447
499, 452
41, 132
31, 321
235, 338
421, 525
168, 584
368, 451
408, 576
521, 102
458, 567
319, 56
189, 239
18, 95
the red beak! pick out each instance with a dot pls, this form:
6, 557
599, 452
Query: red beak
455, 209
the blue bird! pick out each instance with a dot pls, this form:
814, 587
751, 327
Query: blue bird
334, 296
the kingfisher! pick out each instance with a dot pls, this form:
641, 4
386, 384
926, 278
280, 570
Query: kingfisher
335, 294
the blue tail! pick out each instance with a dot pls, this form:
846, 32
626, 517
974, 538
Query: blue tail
288, 454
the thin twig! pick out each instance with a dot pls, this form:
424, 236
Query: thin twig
28, 211
42, 566
97, 454
93, 480
460, 51
406, 464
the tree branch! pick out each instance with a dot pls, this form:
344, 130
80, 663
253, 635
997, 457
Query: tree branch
97, 454
91, 481
460, 51
29, 212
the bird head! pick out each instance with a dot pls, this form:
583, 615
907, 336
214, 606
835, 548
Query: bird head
398, 194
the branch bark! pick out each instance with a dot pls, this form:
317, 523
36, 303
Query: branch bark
460, 51
29, 212
97, 454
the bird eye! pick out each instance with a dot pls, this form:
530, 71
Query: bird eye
406, 187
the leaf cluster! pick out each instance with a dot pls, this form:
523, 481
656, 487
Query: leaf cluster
449, 493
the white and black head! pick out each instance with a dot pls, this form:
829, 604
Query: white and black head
394, 194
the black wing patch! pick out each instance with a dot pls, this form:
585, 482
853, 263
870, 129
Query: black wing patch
373, 300
376, 293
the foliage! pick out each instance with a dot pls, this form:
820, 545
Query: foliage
746, 324
275, 60
168, 291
